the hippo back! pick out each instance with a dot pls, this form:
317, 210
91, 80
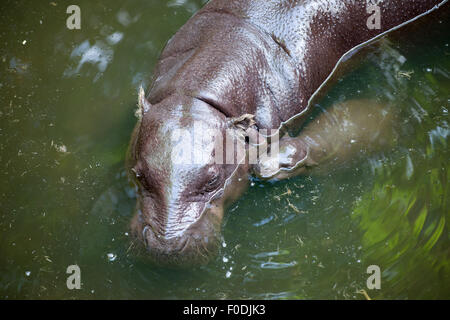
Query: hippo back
269, 57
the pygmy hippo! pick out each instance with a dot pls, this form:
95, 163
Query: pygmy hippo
229, 81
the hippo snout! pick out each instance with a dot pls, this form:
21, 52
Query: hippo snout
193, 246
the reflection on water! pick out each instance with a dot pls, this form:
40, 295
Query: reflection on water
99, 54
66, 114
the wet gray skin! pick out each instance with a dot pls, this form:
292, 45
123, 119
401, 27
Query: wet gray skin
181, 201
231, 59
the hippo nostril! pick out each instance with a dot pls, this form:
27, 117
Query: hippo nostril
194, 245
185, 245
150, 236
146, 236
192, 248
158, 244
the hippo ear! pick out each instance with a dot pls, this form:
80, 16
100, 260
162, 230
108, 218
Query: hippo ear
245, 128
243, 122
143, 104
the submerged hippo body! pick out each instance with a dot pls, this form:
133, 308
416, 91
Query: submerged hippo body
235, 67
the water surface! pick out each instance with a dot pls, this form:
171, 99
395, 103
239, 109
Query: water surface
67, 100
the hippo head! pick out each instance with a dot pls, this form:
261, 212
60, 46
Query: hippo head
178, 161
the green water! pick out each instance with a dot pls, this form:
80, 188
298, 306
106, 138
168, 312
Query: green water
66, 113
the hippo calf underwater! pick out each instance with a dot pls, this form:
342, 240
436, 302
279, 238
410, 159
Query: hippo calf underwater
237, 68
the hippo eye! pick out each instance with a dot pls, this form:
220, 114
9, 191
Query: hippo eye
140, 178
135, 172
212, 184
